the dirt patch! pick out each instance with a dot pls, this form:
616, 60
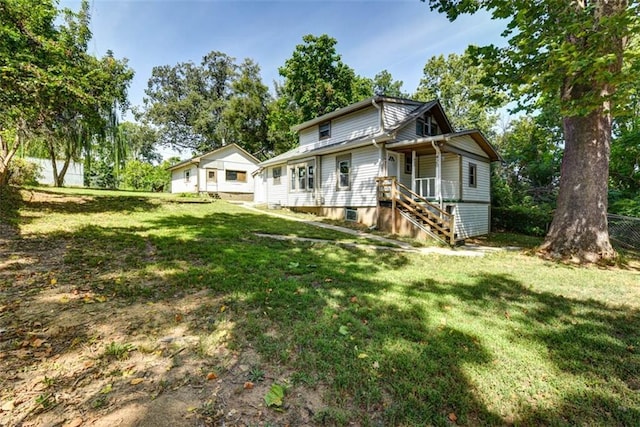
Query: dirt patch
73, 356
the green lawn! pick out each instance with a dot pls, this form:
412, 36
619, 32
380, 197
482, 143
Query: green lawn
379, 337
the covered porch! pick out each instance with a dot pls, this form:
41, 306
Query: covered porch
422, 167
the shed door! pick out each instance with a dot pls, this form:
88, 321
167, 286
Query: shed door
212, 179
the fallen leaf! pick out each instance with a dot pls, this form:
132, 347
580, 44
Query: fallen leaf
453, 417
8, 406
248, 385
328, 280
343, 330
211, 376
106, 389
223, 308
101, 298
136, 381
274, 396
363, 356
37, 343
178, 317
54, 281
354, 299
376, 365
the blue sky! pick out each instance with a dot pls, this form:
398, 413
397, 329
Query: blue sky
399, 36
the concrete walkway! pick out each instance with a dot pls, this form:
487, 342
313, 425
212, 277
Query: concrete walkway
467, 250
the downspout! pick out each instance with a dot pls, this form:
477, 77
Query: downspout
381, 158
438, 173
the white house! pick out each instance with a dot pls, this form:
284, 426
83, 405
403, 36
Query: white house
394, 163
225, 171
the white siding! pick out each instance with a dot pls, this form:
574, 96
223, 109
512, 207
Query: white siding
277, 193
472, 219
468, 144
395, 113
260, 187
357, 124
482, 192
178, 182
364, 171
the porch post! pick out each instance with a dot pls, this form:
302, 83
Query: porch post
439, 175
413, 172
393, 205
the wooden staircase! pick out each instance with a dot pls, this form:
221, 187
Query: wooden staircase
423, 214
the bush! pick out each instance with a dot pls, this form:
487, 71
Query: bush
142, 176
22, 172
624, 206
530, 220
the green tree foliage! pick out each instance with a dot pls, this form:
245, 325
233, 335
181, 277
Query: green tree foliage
53, 91
141, 141
571, 52
316, 82
245, 115
316, 79
142, 176
27, 45
185, 101
384, 84
457, 83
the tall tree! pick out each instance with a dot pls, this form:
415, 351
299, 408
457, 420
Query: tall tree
245, 116
457, 83
317, 80
384, 84
571, 51
186, 102
27, 83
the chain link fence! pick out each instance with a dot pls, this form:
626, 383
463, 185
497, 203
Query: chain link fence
624, 231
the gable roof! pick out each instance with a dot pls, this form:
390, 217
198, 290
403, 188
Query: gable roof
354, 107
196, 160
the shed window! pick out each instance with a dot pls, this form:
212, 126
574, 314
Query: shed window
344, 172
473, 175
325, 130
239, 176
276, 173
187, 175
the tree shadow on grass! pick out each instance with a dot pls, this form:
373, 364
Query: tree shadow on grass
593, 345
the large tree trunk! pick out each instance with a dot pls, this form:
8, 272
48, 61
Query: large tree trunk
579, 231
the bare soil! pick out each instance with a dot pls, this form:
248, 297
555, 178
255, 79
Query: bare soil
55, 369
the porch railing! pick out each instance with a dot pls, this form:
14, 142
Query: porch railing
421, 212
426, 187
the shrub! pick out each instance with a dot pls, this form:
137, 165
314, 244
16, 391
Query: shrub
530, 220
22, 172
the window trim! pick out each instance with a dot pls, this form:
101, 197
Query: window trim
238, 174
472, 179
340, 159
276, 176
215, 176
326, 132
308, 176
187, 175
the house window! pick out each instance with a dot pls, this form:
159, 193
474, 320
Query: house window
302, 176
344, 171
276, 173
473, 175
351, 214
239, 176
408, 163
324, 130
211, 176
426, 127
187, 175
